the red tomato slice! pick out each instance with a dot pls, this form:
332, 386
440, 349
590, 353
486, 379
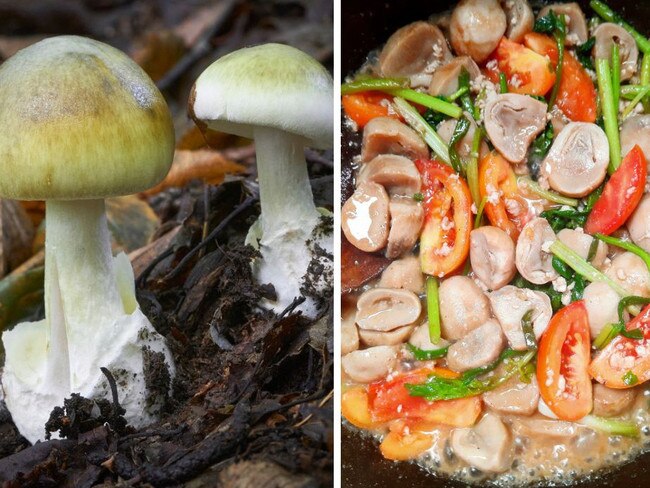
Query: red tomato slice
390, 400
563, 362
624, 355
621, 195
445, 195
527, 72
577, 97
364, 106
498, 183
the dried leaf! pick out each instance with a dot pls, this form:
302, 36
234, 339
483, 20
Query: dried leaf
132, 222
193, 139
204, 164
143, 257
159, 52
358, 267
16, 235
191, 29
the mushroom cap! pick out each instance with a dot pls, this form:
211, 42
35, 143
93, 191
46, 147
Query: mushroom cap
80, 120
270, 85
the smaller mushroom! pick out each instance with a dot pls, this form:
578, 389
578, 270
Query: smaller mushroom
365, 217
639, 224
417, 48
406, 219
422, 339
464, 145
514, 397
445, 79
484, 446
609, 402
577, 162
372, 364
513, 121
532, 256
476, 28
385, 309
349, 331
520, 19
636, 130
601, 302
386, 338
576, 24
397, 174
492, 254
606, 34
385, 135
580, 243
478, 348
631, 273
405, 274
463, 307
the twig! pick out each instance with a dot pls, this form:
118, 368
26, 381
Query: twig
320, 405
113, 385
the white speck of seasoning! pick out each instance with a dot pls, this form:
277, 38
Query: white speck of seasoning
399, 408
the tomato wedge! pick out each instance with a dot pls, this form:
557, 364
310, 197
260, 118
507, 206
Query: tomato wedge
563, 362
446, 196
405, 445
527, 72
623, 356
576, 97
505, 207
621, 195
355, 409
362, 107
390, 400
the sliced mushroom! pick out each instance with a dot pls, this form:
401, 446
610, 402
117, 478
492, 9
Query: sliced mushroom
390, 338
478, 348
492, 255
510, 304
576, 24
485, 446
422, 340
406, 219
384, 135
476, 28
609, 402
578, 159
631, 273
365, 216
464, 146
463, 307
404, 273
532, 256
514, 397
636, 130
513, 121
417, 48
372, 364
520, 19
349, 331
639, 224
581, 243
395, 173
555, 429
601, 303
445, 79
384, 309
606, 34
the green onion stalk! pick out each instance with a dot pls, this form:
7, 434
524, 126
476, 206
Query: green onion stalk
610, 113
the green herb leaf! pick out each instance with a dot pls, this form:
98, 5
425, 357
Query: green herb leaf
583, 52
418, 197
630, 378
636, 334
503, 83
529, 333
462, 126
433, 310
427, 355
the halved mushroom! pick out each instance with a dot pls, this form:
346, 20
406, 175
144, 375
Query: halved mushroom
365, 217
636, 130
406, 219
514, 397
520, 19
513, 121
631, 273
510, 304
384, 135
417, 48
578, 159
372, 364
385, 309
608, 33
404, 273
532, 256
463, 146
445, 79
576, 24
422, 340
349, 331
639, 224
609, 402
389, 338
581, 243
395, 173
492, 254
463, 307
476, 28
478, 348
485, 446
539, 426
601, 302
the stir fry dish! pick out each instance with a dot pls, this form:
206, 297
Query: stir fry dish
496, 246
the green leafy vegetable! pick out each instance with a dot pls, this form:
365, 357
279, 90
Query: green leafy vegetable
472, 167
433, 310
611, 426
554, 295
462, 126
366, 84
417, 123
571, 218
433, 103
529, 333
593, 249
555, 25
610, 113
628, 246
433, 118
583, 52
630, 379
503, 83
422, 355
465, 99
616, 74
539, 149
418, 197
610, 331
549, 195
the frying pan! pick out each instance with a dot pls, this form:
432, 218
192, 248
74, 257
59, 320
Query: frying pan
366, 25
